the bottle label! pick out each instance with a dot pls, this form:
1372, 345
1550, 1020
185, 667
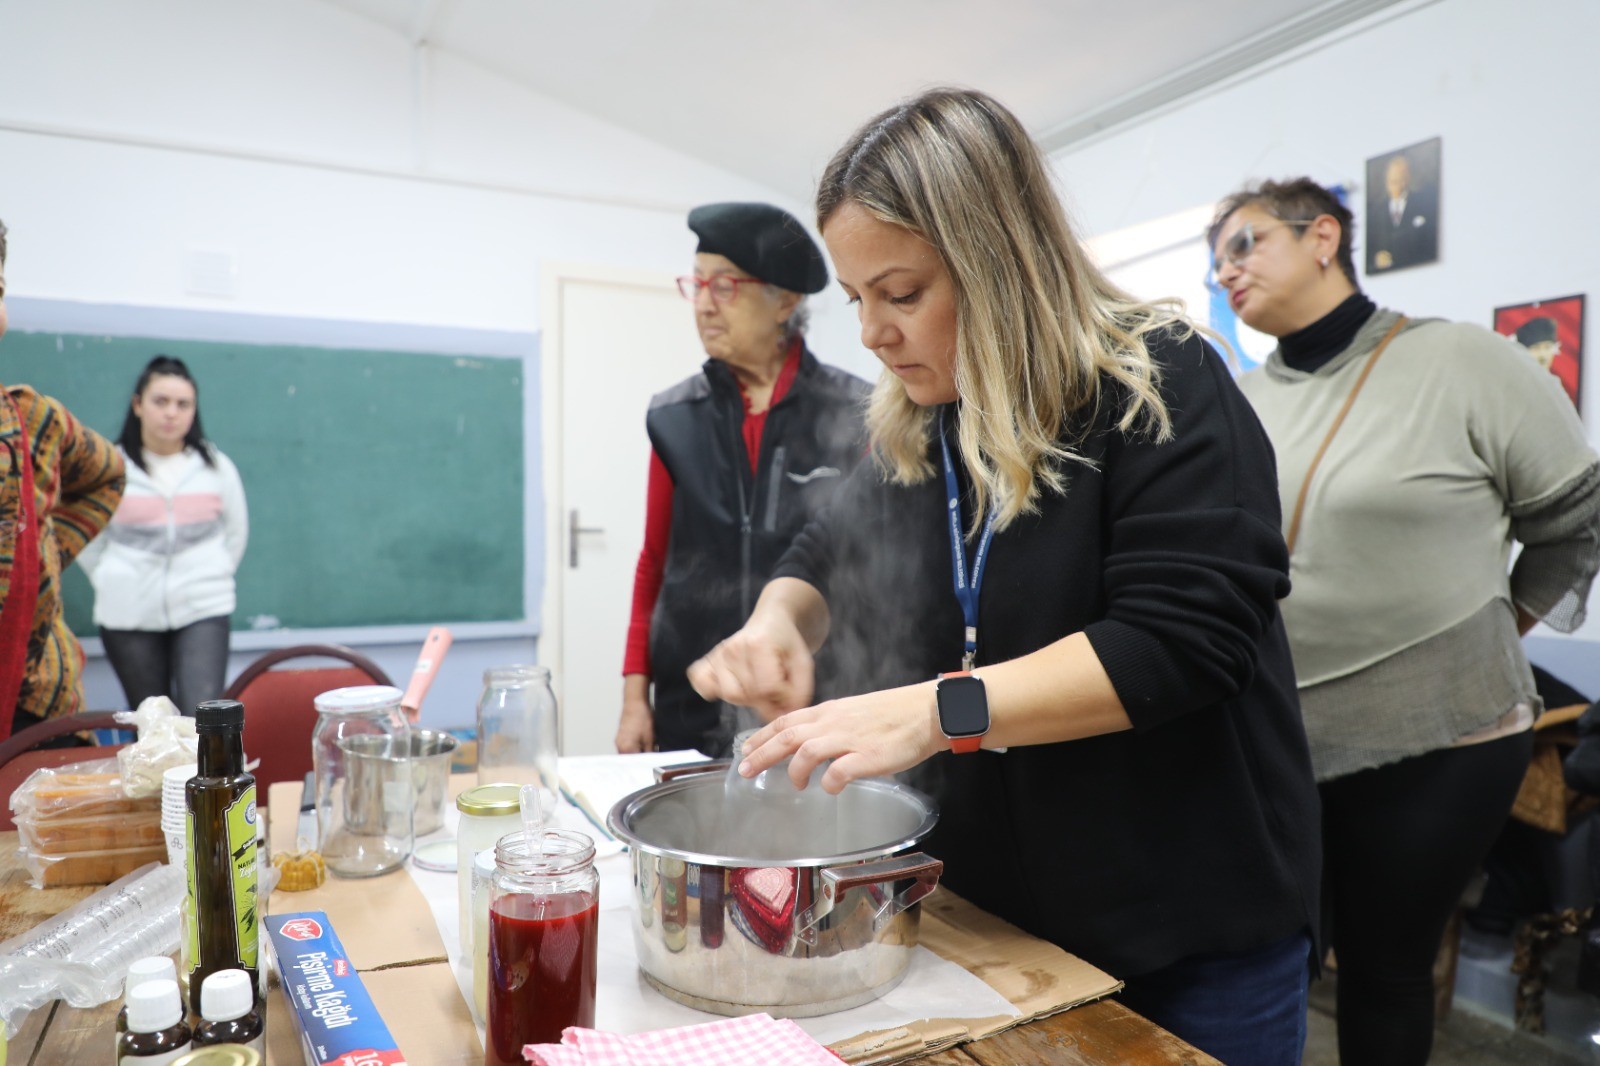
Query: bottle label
242, 846
191, 908
241, 827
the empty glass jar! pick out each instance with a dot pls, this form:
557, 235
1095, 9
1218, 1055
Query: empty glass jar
517, 739
366, 795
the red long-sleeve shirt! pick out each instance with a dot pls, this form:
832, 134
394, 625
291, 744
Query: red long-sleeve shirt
651, 568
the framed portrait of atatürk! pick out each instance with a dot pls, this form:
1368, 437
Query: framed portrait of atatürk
1552, 332
1402, 228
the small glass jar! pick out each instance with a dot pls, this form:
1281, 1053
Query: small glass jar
366, 796
488, 813
543, 934
517, 730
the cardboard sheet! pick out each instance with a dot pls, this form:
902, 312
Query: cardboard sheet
383, 921
1036, 977
394, 941
419, 1004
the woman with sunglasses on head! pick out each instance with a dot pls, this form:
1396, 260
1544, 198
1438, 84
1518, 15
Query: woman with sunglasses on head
743, 454
1411, 454
1071, 514
163, 573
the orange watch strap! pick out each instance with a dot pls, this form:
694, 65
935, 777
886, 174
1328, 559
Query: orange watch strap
962, 745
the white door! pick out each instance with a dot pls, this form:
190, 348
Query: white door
612, 339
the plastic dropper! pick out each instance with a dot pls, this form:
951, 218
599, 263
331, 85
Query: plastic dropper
533, 815
533, 818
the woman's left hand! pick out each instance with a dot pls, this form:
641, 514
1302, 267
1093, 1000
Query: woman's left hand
865, 736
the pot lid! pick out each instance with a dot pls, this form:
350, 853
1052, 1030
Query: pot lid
696, 819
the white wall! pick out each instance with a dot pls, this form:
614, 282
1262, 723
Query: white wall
1512, 89
351, 178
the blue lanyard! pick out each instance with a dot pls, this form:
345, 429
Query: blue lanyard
966, 591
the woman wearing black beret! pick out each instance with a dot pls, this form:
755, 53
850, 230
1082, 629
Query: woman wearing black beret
743, 454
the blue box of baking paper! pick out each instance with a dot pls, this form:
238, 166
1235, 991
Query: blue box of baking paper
334, 1015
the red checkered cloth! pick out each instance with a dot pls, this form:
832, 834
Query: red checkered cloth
755, 1038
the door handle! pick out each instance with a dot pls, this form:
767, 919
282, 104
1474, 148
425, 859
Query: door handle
573, 529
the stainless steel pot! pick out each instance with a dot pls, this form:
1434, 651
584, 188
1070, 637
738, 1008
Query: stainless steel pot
792, 935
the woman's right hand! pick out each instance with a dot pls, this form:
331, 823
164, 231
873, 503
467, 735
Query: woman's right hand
766, 666
636, 731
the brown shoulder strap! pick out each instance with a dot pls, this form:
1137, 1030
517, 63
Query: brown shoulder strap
1338, 420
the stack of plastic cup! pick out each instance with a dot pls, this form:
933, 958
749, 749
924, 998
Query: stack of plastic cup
173, 810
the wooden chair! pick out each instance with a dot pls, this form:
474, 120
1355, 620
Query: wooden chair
20, 754
279, 714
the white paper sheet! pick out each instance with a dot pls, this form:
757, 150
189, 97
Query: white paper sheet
625, 1002
594, 783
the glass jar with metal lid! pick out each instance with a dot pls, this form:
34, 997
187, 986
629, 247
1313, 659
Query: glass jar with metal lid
488, 813
366, 796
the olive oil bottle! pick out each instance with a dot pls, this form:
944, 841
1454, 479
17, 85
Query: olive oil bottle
222, 922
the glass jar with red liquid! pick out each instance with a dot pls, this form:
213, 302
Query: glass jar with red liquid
543, 934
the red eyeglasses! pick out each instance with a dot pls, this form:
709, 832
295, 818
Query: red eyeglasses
724, 287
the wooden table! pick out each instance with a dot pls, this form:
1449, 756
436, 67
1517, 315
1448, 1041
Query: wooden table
1096, 1033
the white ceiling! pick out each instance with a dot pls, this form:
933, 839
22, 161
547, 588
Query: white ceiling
769, 90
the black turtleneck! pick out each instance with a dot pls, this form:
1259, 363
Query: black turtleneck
1307, 350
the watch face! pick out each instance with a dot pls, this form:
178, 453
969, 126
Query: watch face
963, 707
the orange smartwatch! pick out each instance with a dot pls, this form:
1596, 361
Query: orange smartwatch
963, 709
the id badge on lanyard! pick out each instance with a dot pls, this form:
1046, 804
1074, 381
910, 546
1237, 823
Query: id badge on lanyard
966, 579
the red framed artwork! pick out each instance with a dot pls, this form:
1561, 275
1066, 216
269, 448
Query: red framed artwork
1552, 332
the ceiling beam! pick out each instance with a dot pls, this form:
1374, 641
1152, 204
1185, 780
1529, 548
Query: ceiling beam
1254, 55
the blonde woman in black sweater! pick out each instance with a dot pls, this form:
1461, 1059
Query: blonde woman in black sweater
1071, 500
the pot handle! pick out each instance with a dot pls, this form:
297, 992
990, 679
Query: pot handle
922, 870
685, 769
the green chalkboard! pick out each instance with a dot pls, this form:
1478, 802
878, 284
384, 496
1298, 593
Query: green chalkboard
384, 487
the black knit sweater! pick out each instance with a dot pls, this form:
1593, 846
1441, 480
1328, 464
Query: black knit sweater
1196, 831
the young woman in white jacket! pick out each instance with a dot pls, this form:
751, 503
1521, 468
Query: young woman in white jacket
163, 570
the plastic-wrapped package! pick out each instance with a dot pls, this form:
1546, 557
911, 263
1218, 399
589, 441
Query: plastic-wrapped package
166, 739
77, 790
78, 828
82, 954
99, 832
98, 867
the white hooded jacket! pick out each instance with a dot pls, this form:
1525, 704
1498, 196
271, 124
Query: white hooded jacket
168, 558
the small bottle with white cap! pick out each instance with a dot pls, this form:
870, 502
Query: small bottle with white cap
157, 1033
149, 968
228, 1012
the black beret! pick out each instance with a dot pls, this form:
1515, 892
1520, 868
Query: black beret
1540, 330
763, 240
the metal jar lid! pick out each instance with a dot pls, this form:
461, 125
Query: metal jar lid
220, 1055
489, 800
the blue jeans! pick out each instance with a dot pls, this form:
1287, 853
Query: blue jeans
1247, 1009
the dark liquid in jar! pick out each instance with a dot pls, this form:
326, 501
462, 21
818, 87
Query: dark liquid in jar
541, 971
